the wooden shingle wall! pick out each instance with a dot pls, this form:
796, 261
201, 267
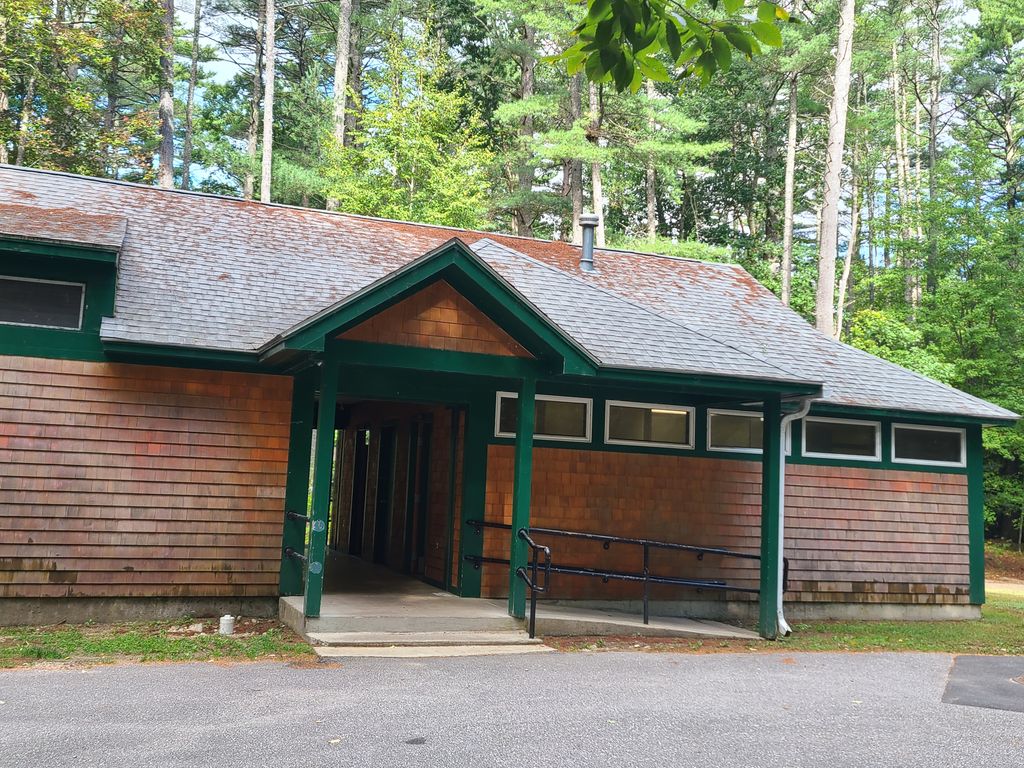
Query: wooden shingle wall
124, 480
852, 534
438, 317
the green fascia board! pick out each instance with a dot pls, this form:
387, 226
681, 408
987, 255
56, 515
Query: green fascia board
176, 355
468, 274
60, 251
736, 387
919, 417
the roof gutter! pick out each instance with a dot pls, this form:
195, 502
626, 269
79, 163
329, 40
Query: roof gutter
803, 408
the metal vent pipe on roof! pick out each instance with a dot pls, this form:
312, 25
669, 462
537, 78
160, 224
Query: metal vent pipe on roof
588, 223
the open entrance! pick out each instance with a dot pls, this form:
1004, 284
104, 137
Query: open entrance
396, 496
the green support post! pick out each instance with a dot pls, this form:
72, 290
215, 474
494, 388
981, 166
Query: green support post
521, 488
771, 465
296, 494
976, 514
479, 427
323, 459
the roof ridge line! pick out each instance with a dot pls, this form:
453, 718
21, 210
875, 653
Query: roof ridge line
359, 216
645, 308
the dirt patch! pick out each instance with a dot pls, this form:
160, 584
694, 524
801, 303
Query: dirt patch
1004, 563
656, 644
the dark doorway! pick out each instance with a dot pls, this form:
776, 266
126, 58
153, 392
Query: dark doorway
385, 494
421, 498
360, 464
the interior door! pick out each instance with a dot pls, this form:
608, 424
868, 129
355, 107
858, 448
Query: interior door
385, 494
360, 465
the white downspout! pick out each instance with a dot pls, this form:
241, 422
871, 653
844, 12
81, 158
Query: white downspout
801, 411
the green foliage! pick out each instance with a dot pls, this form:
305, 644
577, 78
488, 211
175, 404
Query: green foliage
619, 41
888, 337
415, 157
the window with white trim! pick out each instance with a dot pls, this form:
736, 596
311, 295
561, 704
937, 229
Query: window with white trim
920, 444
842, 439
739, 431
556, 418
650, 424
41, 303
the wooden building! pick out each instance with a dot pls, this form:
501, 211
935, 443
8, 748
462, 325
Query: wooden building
204, 402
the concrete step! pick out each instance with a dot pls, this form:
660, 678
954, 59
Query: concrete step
437, 639
430, 623
423, 651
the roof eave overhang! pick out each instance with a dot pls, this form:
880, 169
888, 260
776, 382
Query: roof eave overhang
65, 250
953, 419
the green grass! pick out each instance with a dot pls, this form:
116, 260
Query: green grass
999, 631
140, 641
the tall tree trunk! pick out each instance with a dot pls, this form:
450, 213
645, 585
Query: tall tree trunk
193, 75
596, 191
268, 101
113, 105
165, 171
355, 76
522, 219
342, 47
853, 246
252, 133
887, 210
574, 167
824, 306
650, 172
25, 121
4, 98
934, 80
872, 249
789, 191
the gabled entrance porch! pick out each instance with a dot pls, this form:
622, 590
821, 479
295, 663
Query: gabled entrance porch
385, 345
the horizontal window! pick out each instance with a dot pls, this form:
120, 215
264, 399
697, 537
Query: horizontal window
741, 431
556, 418
842, 438
667, 426
41, 303
918, 444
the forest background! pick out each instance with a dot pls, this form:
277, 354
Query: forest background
865, 163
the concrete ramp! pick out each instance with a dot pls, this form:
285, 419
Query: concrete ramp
567, 621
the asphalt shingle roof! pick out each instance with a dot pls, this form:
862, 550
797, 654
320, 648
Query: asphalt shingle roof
220, 273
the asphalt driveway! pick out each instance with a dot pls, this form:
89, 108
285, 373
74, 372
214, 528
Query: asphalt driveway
582, 709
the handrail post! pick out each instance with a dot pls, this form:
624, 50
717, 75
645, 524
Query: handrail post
647, 583
533, 593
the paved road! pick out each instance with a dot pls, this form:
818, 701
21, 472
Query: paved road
600, 709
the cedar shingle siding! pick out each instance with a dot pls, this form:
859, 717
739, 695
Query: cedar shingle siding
126, 480
437, 318
852, 534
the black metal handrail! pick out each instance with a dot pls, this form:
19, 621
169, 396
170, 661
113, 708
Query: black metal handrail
531, 579
606, 575
292, 552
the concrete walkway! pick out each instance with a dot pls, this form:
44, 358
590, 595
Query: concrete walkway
1014, 588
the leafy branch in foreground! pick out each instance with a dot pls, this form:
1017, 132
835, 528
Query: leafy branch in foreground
619, 41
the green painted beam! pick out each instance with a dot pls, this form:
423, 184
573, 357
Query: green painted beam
435, 360
771, 465
296, 495
522, 486
976, 514
323, 459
